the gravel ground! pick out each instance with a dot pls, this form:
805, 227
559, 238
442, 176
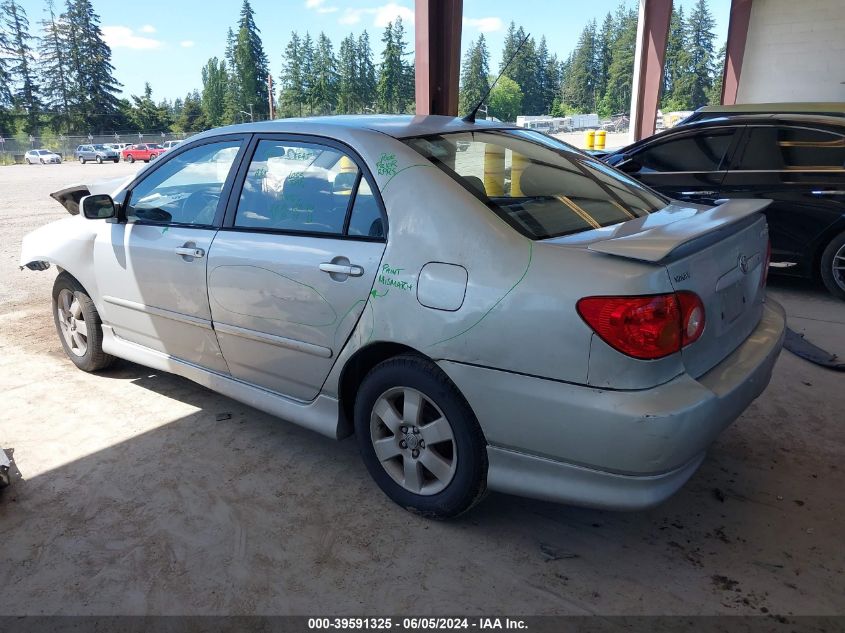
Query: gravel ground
143, 493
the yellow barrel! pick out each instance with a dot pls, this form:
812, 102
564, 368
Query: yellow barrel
494, 170
590, 139
518, 165
601, 137
347, 165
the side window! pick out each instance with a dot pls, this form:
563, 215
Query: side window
186, 189
366, 217
783, 148
296, 186
701, 152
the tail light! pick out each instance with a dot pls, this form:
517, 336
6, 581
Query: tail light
765, 276
645, 327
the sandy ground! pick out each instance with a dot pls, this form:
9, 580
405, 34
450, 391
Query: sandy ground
137, 498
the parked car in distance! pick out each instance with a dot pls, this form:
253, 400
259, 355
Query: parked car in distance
142, 151
562, 333
170, 144
42, 156
97, 153
795, 160
740, 109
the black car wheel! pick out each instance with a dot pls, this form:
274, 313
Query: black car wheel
833, 266
81, 160
419, 438
130, 158
99, 160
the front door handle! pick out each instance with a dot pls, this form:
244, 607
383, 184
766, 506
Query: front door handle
699, 193
828, 192
340, 269
190, 251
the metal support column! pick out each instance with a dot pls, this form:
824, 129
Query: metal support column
652, 35
735, 49
437, 54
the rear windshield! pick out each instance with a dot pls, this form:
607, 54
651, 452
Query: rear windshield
541, 186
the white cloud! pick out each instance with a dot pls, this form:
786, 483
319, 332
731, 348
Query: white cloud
485, 25
381, 15
319, 6
147, 28
124, 37
187, 43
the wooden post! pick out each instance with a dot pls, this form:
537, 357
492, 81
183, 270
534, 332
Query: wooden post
437, 52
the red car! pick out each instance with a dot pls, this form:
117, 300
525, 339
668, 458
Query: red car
142, 151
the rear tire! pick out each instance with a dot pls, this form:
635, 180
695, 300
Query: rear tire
131, 159
833, 267
402, 404
78, 325
99, 160
28, 162
81, 160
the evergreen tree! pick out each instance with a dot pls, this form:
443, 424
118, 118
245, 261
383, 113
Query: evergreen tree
232, 97
541, 61
325, 80
552, 77
387, 90
191, 117
54, 68
676, 66
701, 53
251, 66
406, 70
22, 66
6, 121
292, 93
213, 98
474, 82
523, 70
146, 115
308, 70
93, 91
617, 95
606, 39
715, 95
367, 81
579, 90
347, 67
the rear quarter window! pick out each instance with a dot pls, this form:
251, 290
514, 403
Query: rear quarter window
791, 148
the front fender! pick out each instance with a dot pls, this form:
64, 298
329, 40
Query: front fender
67, 244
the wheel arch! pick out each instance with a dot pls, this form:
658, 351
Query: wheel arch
355, 369
830, 233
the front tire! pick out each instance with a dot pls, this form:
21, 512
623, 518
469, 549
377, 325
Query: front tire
833, 267
81, 160
99, 160
419, 438
78, 324
28, 162
131, 159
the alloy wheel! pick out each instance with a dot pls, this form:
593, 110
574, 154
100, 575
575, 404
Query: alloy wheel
413, 441
838, 267
72, 322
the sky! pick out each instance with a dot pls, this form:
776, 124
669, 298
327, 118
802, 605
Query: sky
166, 42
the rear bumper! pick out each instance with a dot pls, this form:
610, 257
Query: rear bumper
613, 449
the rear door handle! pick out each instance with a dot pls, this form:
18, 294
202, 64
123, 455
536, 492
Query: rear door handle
829, 192
190, 251
340, 269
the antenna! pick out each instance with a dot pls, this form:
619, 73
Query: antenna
470, 118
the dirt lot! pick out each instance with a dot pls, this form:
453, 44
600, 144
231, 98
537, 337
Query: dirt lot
139, 497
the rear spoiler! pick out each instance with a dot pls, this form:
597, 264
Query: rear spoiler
652, 238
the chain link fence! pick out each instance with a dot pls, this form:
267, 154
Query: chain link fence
12, 150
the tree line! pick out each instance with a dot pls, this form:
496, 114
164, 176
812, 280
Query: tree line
61, 79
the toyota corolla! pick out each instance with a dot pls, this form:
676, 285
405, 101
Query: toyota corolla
482, 306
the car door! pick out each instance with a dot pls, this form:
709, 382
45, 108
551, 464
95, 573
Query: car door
291, 270
800, 168
689, 165
151, 266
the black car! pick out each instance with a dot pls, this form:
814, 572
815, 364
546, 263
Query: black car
797, 161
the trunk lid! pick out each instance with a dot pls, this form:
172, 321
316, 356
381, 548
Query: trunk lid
716, 252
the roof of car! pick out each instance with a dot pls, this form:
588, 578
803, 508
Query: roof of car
808, 107
397, 126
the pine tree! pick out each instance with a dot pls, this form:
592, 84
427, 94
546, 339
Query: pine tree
676, 66
251, 66
308, 70
579, 91
606, 38
347, 67
701, 37
6, 121
232, 98
190, 118
406, 70
367, 81
292, 93
523, 70
54, 68
715, 94
474, 82
552, 77
617, 95
94, 89
214, 92
325, 80
541, 61
22, 66
146, 115
389, 74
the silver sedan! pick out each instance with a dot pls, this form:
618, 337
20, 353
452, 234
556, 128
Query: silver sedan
482, 306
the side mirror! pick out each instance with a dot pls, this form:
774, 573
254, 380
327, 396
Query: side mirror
99, 206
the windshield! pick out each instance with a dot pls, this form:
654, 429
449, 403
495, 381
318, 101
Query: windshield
154, 146
541, 186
